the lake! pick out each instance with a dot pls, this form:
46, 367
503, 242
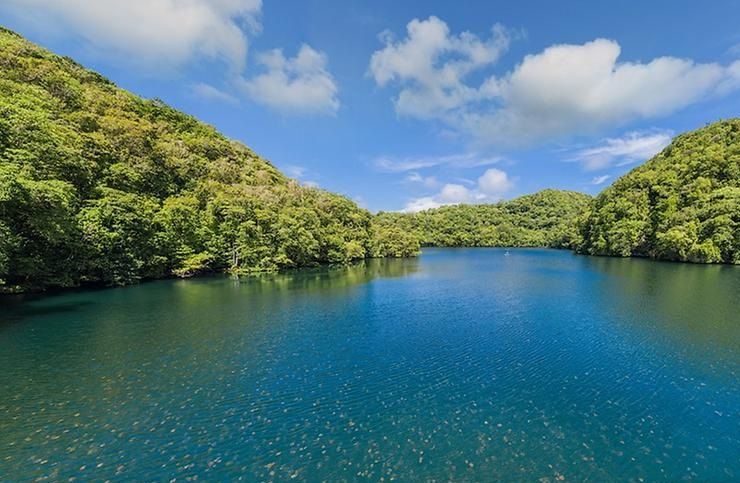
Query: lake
463, 364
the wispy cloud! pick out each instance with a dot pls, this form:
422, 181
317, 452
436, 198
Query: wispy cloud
468, 160
426, 181
295, 171
597, 180
302, 174
209, 93
630, 148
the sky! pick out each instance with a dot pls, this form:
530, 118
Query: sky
404, 106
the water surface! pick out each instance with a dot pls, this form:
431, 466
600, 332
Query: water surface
464, 364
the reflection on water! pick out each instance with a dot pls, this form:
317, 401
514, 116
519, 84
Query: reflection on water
309, 279
333, 277
459, 365
699, 305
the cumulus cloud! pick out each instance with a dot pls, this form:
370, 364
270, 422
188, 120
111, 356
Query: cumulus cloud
421, 204
165, 33
455, 193
466, 160
561, 91
491, 186
494, 183
579, 88
301, 84
630, 148
431, 65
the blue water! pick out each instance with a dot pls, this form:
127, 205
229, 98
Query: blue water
464, 364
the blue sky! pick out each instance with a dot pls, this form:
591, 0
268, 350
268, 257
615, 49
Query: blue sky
414, 104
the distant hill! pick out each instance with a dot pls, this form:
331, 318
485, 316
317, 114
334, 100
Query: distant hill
99, 185
683, 205
544, 219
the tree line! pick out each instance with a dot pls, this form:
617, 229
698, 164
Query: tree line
544, 219
682, 205
100, 186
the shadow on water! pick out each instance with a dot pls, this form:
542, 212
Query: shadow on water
18, 308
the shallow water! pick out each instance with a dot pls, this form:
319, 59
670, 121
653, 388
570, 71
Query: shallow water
464, 364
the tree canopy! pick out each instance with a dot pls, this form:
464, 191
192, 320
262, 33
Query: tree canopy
544, 219
682, 205
99, 185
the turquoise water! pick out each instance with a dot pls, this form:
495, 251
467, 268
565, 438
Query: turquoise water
464, 364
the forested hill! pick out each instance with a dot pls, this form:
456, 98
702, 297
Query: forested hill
684, 204
544, 219
99, 185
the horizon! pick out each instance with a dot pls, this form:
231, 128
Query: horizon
428, 105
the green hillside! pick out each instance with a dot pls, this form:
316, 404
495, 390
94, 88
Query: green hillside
544, 219
684, 204
100, 186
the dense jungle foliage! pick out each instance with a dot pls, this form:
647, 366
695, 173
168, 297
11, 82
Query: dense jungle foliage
544, 219
683, 205
99, 185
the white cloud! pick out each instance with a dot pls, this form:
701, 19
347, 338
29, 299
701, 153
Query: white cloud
426, 181
165, 33
630, 148
732, 80
491, 187
467, 160
209, 93
420, 204
454, 193
561, 91
295, 171
494, 183
302, 175
580, 88
431, 65
597, 180
300, 85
